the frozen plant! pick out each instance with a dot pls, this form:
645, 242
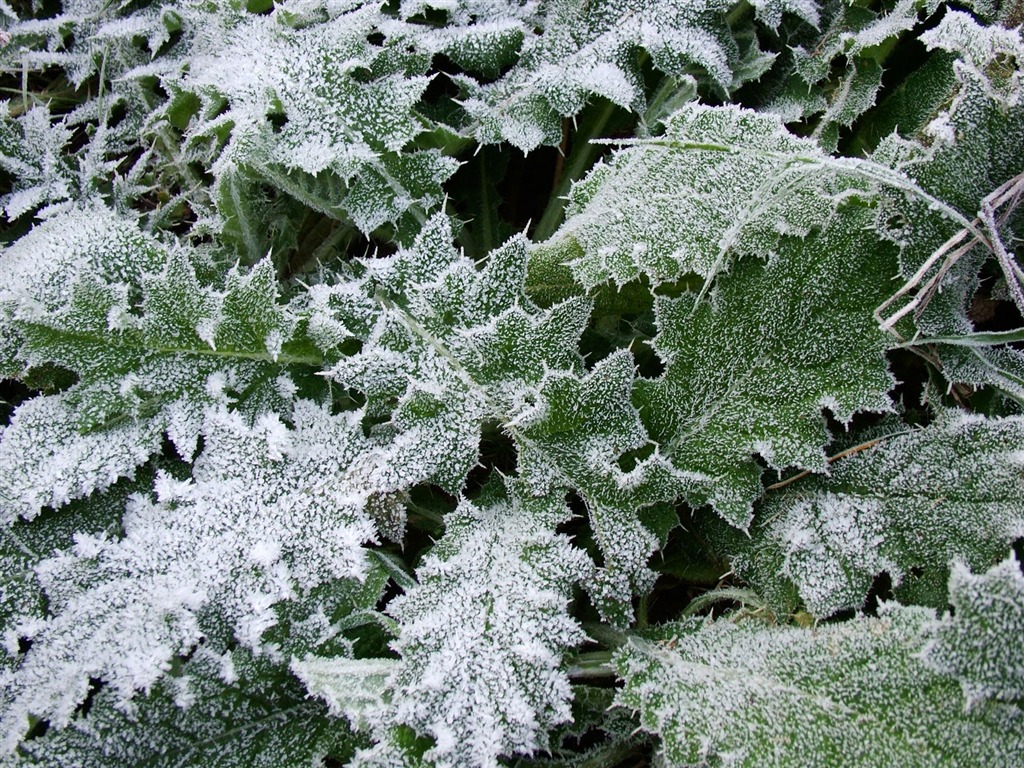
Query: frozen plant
535, 383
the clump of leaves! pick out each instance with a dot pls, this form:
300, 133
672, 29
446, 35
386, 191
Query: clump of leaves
531, 383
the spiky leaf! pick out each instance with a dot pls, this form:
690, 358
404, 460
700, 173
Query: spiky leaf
978, 644
854, 694
751, 370
230, 709
907, 506
483, 636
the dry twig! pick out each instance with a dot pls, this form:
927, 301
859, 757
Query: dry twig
984, 230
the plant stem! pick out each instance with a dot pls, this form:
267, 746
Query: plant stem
596, 665
581, 158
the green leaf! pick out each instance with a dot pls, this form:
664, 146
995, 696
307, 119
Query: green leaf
591, 50
722, 182
231, 709
853, 694
24, 544
483, 636
908, 506
582, 428
610, 734
835, 77
350, 687
477, 36
453, 347
344, 110
151, 346
46, 462
750, 371
982, 101
978, 644
32, 152
270, 514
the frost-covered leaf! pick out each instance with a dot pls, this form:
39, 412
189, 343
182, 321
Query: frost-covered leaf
608, 734
852, 694
481, 36
209, 181
907, 506
979, 644
750, 371
967, 140
484, 635
771, 11
855, 30
24, 544
45, 460
87, 38
835, 76
89, 292
999, 367
230, 710
591, 50
32, 152
722, 182
453, 346
350, 687
80, 137
315, 110
579, 438
270, 514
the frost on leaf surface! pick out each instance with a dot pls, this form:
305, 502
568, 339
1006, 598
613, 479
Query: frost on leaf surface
453, 346
31, 148
45, 460
852, 694
836, 75
355, 688
229, 709
751, 370
589, 50
270, 515
90, 293
980, 644
483, 637
343, 106
722, 183
25, 543
907, 506
576, 439
966, 140
481, 36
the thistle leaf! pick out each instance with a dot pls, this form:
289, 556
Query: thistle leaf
751, 370
269, 515
854, 694
31, 151
452, 347
586, 51
907, 506
584, 426
483, 636
88, 292
229, 709
341, 137
721, 183
978, 644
